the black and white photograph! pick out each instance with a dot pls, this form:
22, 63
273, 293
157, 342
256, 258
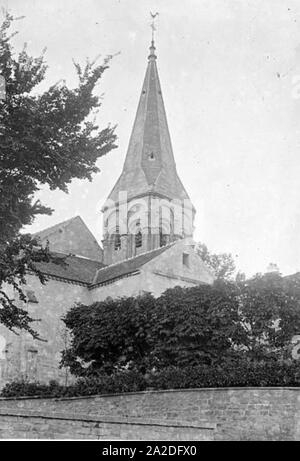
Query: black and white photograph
149, 223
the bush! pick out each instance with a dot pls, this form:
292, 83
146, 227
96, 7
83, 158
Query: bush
117, 383
30, 389
185, 327
235, 374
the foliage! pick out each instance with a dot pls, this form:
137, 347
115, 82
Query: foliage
109, 335
241, 373
184, 326
127, 381
16, 260
45, 139
222, 265
269, 313
204, 325
195, 325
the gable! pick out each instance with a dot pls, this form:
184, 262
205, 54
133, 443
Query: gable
180, 261
71, 236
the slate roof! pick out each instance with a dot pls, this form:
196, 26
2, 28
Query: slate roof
76, 269
128, 266
93, 273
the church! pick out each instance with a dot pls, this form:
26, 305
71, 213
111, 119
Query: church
147, 246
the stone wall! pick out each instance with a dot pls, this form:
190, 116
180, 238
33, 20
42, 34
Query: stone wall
23, 357
72, 236
169, 266
196, 414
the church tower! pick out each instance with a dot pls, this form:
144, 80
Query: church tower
148, 207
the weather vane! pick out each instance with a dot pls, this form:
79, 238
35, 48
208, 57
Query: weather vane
153, 23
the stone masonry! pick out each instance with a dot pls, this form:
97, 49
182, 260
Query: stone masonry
194, 414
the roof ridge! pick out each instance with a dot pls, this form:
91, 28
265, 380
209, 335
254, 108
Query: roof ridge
85, 258
73, 255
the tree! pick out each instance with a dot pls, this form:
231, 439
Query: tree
109, 336
184, 326
45, 139
270, 315
196, 326
215, 325
222, 265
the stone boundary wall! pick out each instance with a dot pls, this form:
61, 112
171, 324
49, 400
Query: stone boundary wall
193, 414
32, 425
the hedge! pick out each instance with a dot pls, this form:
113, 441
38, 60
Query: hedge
241, 374
119, 382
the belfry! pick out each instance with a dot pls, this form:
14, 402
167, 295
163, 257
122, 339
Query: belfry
149, 206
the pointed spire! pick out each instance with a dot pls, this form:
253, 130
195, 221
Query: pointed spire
149, 165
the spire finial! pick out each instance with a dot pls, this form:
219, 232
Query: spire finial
152, 47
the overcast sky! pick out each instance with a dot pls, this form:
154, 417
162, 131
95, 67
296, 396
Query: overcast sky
230, 76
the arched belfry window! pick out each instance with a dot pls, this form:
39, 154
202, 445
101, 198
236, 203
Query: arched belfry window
138, 236
164, 226
138, 239
117, 240
162, 238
